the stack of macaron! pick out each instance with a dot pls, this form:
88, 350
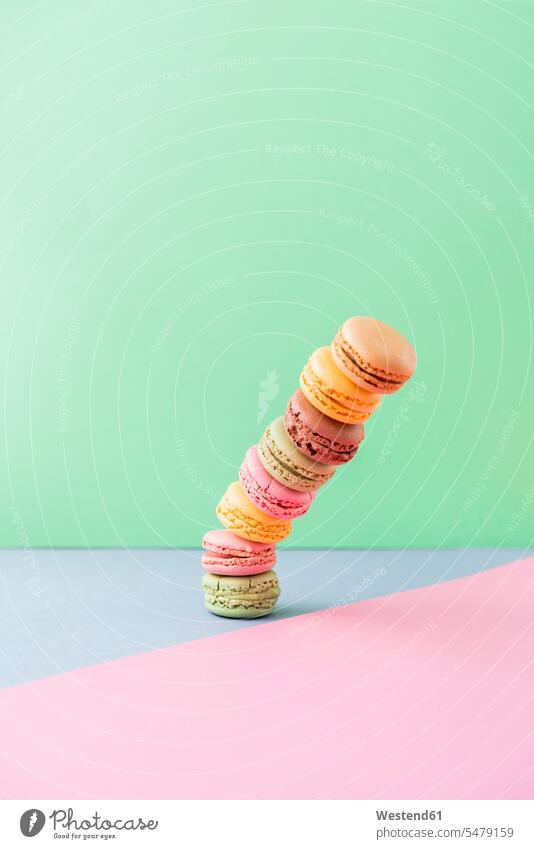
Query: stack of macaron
322, 428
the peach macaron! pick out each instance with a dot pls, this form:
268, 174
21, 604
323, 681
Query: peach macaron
373, 355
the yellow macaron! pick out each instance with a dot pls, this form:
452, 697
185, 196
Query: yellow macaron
330, 391
243, 518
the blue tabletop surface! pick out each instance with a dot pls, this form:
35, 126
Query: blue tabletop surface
63, 609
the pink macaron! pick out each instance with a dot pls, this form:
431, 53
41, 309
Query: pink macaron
318, 436
268, 494
228, 554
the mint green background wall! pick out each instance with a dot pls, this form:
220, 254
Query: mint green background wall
194, 198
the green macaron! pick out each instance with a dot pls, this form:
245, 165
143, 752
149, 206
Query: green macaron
246, 597
289, 466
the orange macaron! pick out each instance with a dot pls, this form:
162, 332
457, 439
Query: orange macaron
330, 391
244, 519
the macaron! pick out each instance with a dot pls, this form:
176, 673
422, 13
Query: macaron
331, 392
228, 554
289, 466
243, 518
241, 597
267, 493
373, 355
318, 436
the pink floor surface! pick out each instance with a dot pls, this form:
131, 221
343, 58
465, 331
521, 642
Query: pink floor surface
424, 694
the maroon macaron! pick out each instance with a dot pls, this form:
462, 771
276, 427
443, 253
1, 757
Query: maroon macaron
318, 436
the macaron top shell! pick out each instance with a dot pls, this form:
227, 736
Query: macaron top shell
251, 585
224, 542
373, 354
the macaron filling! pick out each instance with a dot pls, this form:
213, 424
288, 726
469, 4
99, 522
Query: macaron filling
227, 562
224, 542
377, 378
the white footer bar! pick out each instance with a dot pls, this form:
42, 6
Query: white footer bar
260, 824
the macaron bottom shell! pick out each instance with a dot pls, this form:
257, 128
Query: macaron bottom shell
239, 611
